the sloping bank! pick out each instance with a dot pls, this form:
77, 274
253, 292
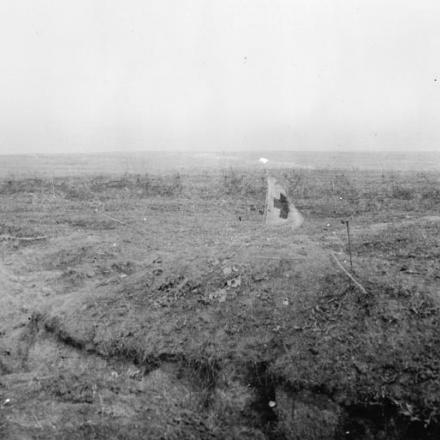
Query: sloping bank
277, 350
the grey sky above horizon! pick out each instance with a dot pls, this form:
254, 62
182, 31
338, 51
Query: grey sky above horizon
105, 75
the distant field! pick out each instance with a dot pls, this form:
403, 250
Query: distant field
158, 162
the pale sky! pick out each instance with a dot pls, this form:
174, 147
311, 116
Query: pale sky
96, 75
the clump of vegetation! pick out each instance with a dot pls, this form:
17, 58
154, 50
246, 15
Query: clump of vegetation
242, 183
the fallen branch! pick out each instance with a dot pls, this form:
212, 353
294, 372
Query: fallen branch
36, 420
357, 283
121, 222
12, 237
279, 258
112, 218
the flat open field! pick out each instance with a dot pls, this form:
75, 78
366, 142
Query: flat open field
158, 162
141, 306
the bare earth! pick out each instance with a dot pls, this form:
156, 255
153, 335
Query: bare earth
158, 308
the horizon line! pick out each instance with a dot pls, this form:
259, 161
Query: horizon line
257, 151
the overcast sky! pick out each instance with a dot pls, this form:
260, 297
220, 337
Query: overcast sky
96, 75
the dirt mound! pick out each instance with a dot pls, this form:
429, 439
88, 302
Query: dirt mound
312, 331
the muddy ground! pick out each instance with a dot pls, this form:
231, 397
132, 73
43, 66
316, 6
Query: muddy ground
160, 307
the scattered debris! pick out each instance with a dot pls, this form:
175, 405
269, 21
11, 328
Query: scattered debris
134, 373
234, 282
259, 277
227, 271
214, 261
220, 295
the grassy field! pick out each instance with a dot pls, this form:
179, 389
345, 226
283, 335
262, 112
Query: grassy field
158, 306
